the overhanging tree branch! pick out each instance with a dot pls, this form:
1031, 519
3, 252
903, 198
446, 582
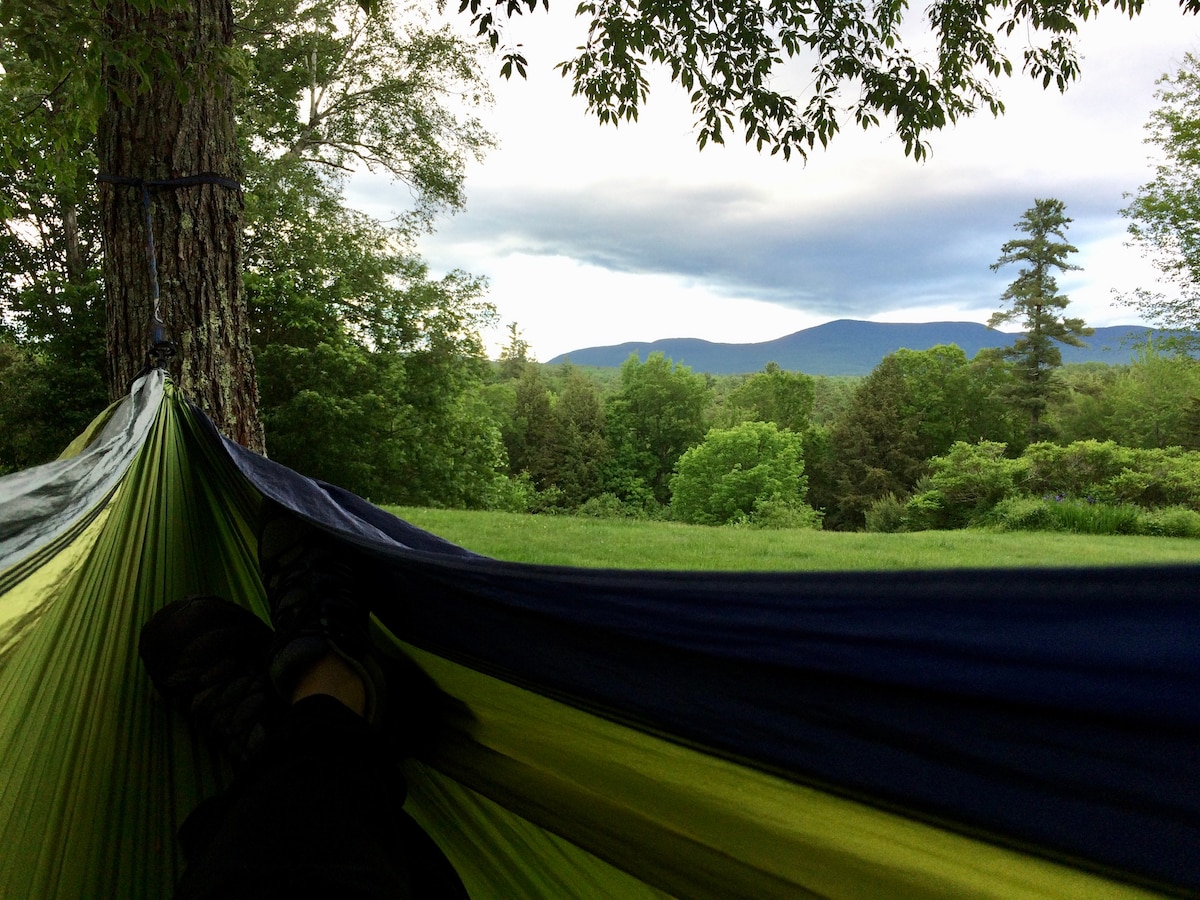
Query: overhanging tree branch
728, 54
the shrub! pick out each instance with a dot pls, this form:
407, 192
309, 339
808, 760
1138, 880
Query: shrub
513, 493
1022, 514
784, 514
723, 478
1081, 469
1174, 521
1058, 513
963, 484
1089, 466
926, 511
1158, 477
1108, 473
887, 515
610, 506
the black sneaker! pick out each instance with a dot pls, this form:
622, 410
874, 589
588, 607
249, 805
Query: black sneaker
208, 657
317, 605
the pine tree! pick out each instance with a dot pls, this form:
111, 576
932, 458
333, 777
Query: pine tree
1037, 304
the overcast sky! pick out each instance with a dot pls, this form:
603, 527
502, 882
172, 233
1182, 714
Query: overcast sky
594, 235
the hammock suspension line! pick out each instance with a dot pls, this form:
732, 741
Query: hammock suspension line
161, 348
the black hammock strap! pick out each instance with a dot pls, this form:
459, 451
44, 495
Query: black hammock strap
161, 348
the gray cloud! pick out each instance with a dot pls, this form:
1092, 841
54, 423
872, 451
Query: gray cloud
856, 260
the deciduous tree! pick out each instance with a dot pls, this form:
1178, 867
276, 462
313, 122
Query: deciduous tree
1153, 400
369, 368
657, 414
776, 395
738, 471
160, 83
1164, 214
860, 61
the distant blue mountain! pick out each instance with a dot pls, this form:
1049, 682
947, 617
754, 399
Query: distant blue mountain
848, 347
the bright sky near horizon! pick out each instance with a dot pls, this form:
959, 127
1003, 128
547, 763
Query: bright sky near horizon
593, 235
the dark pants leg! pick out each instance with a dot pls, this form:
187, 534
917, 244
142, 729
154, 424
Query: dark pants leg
319, 812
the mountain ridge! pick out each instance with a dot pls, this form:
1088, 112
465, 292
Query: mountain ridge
848, 347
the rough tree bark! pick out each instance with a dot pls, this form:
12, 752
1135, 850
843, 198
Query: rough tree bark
170, 115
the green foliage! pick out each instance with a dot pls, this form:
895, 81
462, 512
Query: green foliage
820, 467
1164, 214
44, 403
779, 514
557, 441
1037, 305
581, 446
862, 63
1084, 517
752, 472
887, 515
1082, 469
912, 407
1102, 471
831, 397
338, 298
1152, 399
655, 416
873, 446
529, 434
775, 395
52, 97
609, 506
1159, 477
962, 484
324, 408
369, 370
333, 88
1094, 487
1084, 408
1078, 517
51, 376
51, 305
1171, 521
1021, 513
514, 356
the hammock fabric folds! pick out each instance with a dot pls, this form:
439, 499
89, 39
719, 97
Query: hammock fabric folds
1006, 733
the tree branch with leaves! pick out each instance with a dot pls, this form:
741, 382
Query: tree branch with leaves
1164, 214
859, 59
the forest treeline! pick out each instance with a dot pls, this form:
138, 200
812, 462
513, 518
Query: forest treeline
930, 439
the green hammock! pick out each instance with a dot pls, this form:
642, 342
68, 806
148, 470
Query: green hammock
539, 792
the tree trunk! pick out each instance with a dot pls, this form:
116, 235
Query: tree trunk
174, 120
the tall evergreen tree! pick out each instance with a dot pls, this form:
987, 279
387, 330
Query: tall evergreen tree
531, 437
876, 446
1037, 304
581, 450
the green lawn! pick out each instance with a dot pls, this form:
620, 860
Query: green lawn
610, 543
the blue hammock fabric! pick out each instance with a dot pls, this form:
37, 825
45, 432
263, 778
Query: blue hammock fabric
1053, 709
636, 733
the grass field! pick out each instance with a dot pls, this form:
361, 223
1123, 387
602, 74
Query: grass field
613, 543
